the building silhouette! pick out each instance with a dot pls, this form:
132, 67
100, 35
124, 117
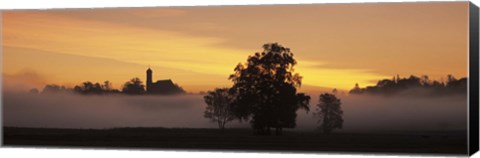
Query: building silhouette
162, 87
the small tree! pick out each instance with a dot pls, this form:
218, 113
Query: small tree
329, 112
134, 87
219, 107
107, 86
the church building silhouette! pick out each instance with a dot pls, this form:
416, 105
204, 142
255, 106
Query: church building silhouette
162, 87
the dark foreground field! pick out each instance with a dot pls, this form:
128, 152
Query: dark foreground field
238, 139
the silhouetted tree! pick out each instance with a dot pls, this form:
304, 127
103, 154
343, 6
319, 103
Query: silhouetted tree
94, 88
425, 80
107, 86
335, 91
134, 87
218, 107
457, 85
53, 88
34, 91
329, 112
356, 89
265, 89
450, 78
89, 88
397, 84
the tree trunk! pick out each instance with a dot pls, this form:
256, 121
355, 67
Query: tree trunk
223, 127
278, 131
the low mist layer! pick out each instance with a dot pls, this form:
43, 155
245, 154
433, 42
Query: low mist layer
398, 113
361, 112
78, 111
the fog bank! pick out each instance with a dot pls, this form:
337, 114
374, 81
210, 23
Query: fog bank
78, 111
361, 112
397, 113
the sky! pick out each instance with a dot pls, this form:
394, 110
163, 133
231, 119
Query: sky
335, 45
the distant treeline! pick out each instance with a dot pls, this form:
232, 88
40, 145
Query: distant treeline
132, 87
415, 85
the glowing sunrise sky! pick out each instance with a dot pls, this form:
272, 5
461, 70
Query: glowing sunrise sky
336, 45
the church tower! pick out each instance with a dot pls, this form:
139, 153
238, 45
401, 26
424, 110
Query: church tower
149, 80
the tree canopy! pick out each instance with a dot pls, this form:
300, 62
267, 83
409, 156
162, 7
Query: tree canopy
134, 87
94, 88
265, 89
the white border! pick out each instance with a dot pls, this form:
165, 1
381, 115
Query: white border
81, 153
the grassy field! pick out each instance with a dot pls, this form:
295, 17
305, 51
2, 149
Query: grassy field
238, 140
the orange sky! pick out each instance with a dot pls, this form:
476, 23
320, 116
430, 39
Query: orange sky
336, 45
